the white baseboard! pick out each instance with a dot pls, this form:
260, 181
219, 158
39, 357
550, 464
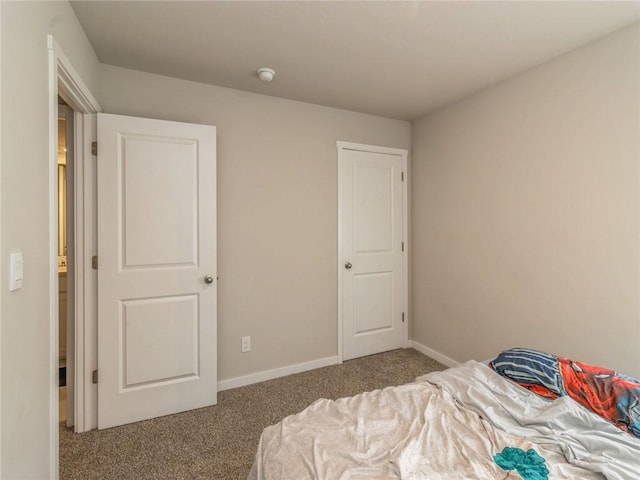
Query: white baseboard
275, 373
319, 363
431, 353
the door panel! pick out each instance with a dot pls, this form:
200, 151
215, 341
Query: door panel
372, 230
151, 165
373, 202
373, 303
156, 244
160, 338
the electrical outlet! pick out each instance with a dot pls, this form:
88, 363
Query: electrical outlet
246, 344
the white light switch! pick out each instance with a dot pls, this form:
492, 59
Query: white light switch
16, 270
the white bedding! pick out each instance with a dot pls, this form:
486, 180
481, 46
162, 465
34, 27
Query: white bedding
446, 425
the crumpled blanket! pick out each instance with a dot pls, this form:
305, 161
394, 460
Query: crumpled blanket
446, 425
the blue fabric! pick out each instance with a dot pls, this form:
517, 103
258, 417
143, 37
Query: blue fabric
530, 367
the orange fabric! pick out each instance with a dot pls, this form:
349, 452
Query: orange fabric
592, 387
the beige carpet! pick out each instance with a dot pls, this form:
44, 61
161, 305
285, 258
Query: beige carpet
219, 442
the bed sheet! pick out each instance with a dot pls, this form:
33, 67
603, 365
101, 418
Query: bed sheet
445, 425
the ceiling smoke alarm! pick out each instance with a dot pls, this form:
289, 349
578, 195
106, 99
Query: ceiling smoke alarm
266, 74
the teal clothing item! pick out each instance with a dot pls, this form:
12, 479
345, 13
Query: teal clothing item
528, 464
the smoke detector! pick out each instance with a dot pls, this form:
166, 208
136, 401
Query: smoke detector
266, 74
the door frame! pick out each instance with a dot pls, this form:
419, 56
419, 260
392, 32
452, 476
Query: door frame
64, 80
342, 146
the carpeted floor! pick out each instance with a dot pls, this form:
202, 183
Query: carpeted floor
219, 442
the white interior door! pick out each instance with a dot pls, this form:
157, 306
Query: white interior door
157, 268
372, 266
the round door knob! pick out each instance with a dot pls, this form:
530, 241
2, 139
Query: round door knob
208, 279
348, 265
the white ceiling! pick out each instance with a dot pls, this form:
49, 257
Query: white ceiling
395, 59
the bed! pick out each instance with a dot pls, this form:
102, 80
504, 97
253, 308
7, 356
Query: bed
474, 421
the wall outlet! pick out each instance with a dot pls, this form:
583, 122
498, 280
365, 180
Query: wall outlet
246, 344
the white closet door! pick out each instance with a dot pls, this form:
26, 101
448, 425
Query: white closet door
372, 256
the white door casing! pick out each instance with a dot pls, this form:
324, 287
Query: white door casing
372, 278
64, 81
157, 243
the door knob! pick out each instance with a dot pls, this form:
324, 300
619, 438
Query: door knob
348, 265
208, 279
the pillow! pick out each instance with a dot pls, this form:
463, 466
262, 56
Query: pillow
534, 370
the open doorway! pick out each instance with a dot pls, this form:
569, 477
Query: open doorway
65, 263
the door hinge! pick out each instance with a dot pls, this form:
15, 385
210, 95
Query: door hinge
94, 262
402, 317
94, 148
94, 376
403, 246
402, 176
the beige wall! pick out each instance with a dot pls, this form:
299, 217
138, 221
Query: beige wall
25, 337
277, 214
1, 251
526, 213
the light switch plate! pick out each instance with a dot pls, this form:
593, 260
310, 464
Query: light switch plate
16, 271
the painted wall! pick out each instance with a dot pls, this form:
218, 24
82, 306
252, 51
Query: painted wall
526, 212
277, 214
24, 212
1, 251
